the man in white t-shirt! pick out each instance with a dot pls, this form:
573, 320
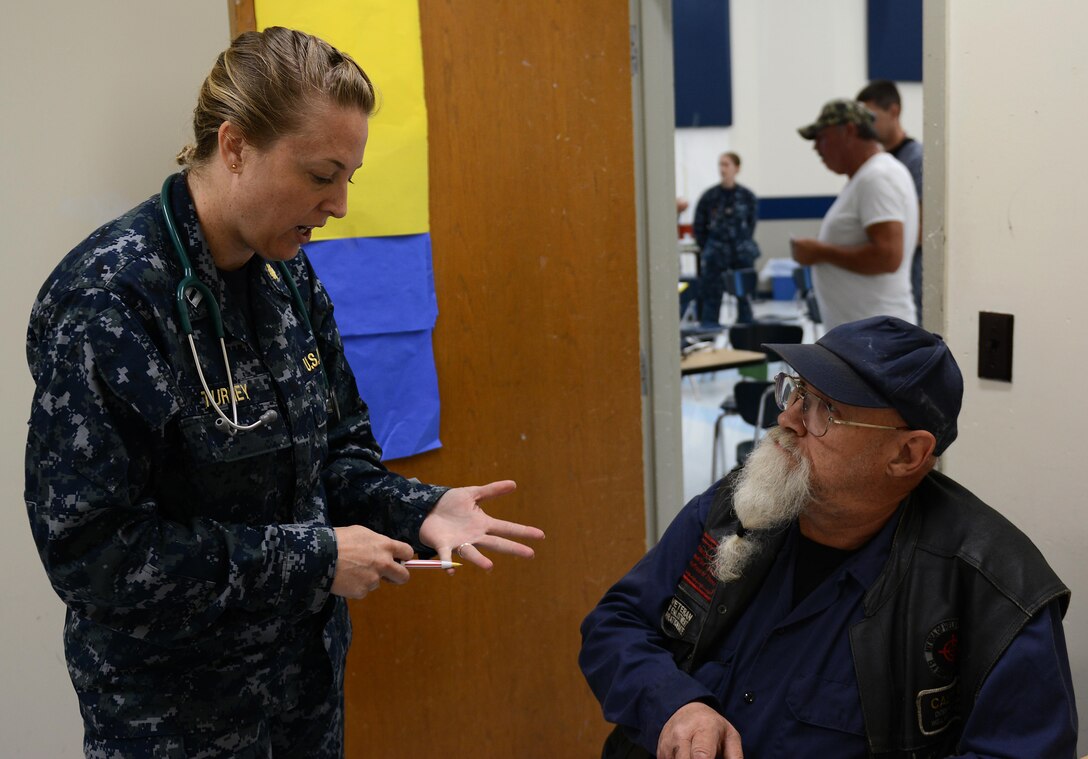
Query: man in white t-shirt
861, 259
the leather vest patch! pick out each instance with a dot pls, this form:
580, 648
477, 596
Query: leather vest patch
693, 593
942, 648
678, 616
936, 708
699, 576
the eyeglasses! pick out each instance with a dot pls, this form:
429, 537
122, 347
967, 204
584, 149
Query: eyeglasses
817, 414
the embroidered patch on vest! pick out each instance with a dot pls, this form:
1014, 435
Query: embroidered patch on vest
678, 616
936, 708
942, 646
691, 602
699, 576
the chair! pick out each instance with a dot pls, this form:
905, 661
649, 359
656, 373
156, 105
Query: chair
756, 406
689, 301
751, 337
806, 296
689, 284
694, 337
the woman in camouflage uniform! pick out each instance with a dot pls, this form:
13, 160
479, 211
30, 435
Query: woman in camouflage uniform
205, 571
725, 220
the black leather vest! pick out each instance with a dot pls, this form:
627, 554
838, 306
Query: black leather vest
959, 584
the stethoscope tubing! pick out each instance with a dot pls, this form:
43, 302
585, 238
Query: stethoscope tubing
189, 281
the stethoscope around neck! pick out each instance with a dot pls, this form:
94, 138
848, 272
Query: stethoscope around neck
189, 281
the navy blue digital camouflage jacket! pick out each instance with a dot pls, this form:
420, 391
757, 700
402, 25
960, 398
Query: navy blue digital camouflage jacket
724, 225
195, 565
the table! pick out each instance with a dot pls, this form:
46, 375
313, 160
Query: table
717, 359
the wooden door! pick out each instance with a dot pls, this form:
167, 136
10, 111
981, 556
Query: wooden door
532, 202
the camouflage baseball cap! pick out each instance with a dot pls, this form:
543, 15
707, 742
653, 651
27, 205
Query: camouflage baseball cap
837, 112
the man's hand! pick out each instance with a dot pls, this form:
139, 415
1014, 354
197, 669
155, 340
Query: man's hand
806, 251
882, 253
458, 524
364, 558
695, 731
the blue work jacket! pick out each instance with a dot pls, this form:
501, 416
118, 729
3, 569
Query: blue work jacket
785, 677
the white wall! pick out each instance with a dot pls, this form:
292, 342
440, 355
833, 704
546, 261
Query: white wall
789, 58
1017, 236
97, 98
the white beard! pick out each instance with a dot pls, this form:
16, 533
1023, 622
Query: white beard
773, 489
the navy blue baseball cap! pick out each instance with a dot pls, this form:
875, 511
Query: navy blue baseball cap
884, 362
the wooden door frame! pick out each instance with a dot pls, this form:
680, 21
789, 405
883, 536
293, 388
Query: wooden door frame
659, 263
242, 17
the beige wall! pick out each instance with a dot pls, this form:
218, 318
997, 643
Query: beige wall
92, 118
773, 95
1017, 236
97, 99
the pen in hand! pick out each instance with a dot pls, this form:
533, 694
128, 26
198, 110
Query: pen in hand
430, 564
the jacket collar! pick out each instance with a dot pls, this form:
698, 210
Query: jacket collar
200, 256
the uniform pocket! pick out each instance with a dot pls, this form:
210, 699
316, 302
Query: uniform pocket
826, 704
209, 443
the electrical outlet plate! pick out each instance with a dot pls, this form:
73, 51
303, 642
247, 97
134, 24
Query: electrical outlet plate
995, 346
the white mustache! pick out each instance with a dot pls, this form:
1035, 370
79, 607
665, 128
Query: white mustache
786, 440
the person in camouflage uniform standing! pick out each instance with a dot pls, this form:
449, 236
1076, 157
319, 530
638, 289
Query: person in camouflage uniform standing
205, 569
725, 220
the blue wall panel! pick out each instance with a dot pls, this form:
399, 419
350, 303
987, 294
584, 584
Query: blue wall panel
382, 289
800, 207
701, 63
895, 40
